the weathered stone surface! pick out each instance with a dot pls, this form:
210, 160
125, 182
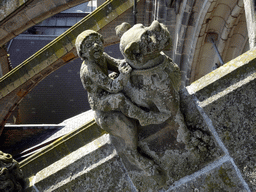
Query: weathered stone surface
228, 98
210, 161
109, 176
4, 61
177, 159
11, 176
9, 6
220, 81
147, 95
250, 20
145, 104
61, 148
93, 167
222, 178
233, 116
214, 98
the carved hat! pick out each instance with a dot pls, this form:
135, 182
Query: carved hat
82, 37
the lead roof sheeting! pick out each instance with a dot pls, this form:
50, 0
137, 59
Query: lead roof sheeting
60, 95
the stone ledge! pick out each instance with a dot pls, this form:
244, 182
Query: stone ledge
60, 148
221, 178
227, 97
233, 116
95, 166
223, 77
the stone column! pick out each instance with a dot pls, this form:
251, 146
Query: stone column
249, 8
4, 62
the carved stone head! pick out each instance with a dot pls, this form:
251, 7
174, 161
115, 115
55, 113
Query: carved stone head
89, 44
11, 177
141, 44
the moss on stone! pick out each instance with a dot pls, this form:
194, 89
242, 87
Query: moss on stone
61, 148
225, 178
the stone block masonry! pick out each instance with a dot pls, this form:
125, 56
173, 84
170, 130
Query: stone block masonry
219, 106
225, 98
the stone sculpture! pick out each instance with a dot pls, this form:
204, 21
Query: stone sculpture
11, 177
142, 91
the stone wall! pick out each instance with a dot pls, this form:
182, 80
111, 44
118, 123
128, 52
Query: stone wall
226, 99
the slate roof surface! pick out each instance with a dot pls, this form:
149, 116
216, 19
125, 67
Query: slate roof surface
60, 95
33, 137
